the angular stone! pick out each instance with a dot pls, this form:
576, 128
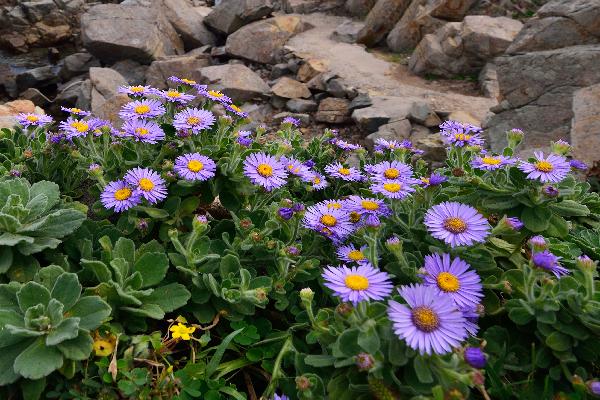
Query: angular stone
114, 32
37, 77
301, 105
75, 93
9, 112
106, 81
396, 130
384, 109
236, 80
303, 118
416, 22
347, 31
133, 72
464, 117
160, 70
35, 96
309, 6
311, 68
188, 23
110, 108
451, 10
361, 101
333, 110
433, 146
229, 16
488, 37
359, 8
585, 126
380, 21
77, 64
488, 81
290, 89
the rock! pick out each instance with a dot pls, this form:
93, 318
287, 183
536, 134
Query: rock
309, 6
333, 110
159, 71
311, 68
419, 132
397, 130
37, 77
10, 110
290, 89
106, 81
488, 81
433, 146
560, 23
77, 64
279, 70
421, 113
317, 83
463, 48
75, 93
37, 10
380, 21
262, 41
416, 22
361, 101
301, 105
229, 16
236, 80
347, 31
451, 10
303, 118
359, 8
338, 88
35, 96
115, 32
188, 23
110, 108
464, 117
384, 109
586, 124
133, 72
538, 88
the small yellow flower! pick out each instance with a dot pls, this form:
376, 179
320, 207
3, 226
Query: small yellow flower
182, 331
103, 347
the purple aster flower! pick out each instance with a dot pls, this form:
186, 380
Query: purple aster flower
393, 243
407, 145
143, 131
549, 262
291, 120
297, 168
460, 139
490, 163
195, 167
514, 223
346, 146
137, 90
474, 357
293, 250
331, 222
394, 189
382, 144
471, 318
120, 196
578, 164
456, 224
433, 180
101, 125
244, 141
595, 387
431, 323
183, 81
309, 163
372, 221
368, 206
29, 119
236, 110
318, 181
356, 284
76, 111
142, 109
553, 168
350, 253
175, 96
148, 183
214, 95
550, 191
390, 170
194, 119
264, 170
285, 213
337, 170
278, 397
453, 277
298, 207
538, 243
364, 361
15, 172
73, 127
56, 138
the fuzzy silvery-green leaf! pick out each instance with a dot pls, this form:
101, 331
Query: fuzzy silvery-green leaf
91, 310
37, 206
57, 224
12, 239
7, 360
78, 348
152, 267
66, 290
169, 297
55, 311
125, 249
38, 244
146, 310
48, 189
6, 258
19, 187
38, 360
67, 329
100, 270
47, 276
31, 294
8, 223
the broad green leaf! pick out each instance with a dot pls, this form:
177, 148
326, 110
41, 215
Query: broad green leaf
422, 370
146, 310
6, 258
318, 360
67, 290
155, 213
38, 360
229, 264
369, 341
47, 276
570, 208
48, 189
67, 329
125, 248
37, 206
558, 341
57, 224
536, 219
31, 294
12, 239
91, 310
100, 270
169, 297
19, 187
7, 360
8, 223
38, 244
153, 268
78, 348
33, 389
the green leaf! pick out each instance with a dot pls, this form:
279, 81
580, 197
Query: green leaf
67, 329
214, 362
570, 208
31, 294
153, 268
8, 223
155, 213
229, 264
38, 360
520, 315
125, 249
536, 219
319, 360
33, 390
146, 310
6, 258
57, 225
369, 341
39, 244
78, 348
558, 227
558, 341
100, 270
169, 297
7, 360
67, 290
48, 189
12, 239
422, 370
91, 310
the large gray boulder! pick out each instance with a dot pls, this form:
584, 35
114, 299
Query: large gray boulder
585, 127
105, 85
113, 32
187, 66
231, 15
188, 22
262, 41
380, 21
537, 89
359, 8
236, 80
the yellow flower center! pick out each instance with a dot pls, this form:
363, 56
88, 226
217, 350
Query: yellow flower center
235, 108
462, 136
425, 180
344, 171
193, 120
188, 81
491, 160
141, 131
334, 205
146, 184
173, 94
448, 282
392, 187
103, 348
425, 319
356, 282
316, 180
369, 205
142, 109
354, 217
356, 255
265, 170
137, 89
544, 166
328, 220
32, 118
215, 93
80, 126
455, 225
76, 110
123, 194
181, 331
391, 173
195, 165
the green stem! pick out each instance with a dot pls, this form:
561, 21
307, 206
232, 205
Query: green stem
277, 371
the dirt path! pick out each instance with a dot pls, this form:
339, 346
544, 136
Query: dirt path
371, 73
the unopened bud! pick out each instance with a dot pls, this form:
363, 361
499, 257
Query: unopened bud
303, 383
364, 361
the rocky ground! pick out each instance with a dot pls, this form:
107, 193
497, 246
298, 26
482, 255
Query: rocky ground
371, 68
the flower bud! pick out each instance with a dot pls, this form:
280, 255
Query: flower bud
454, 394
561, 147
292, 251
298, 207
271, 244
344, 309
27, 154
585, 263
515, 137
458, 172
307, 294
285, 213
594, 387
364, 361
474, 357
256, 236
477, 378
260, 294
577, 164
550, 191
142, 224
246, 223
15, 172
372, 221
303, 383
538, 243
393, 243
508, 225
